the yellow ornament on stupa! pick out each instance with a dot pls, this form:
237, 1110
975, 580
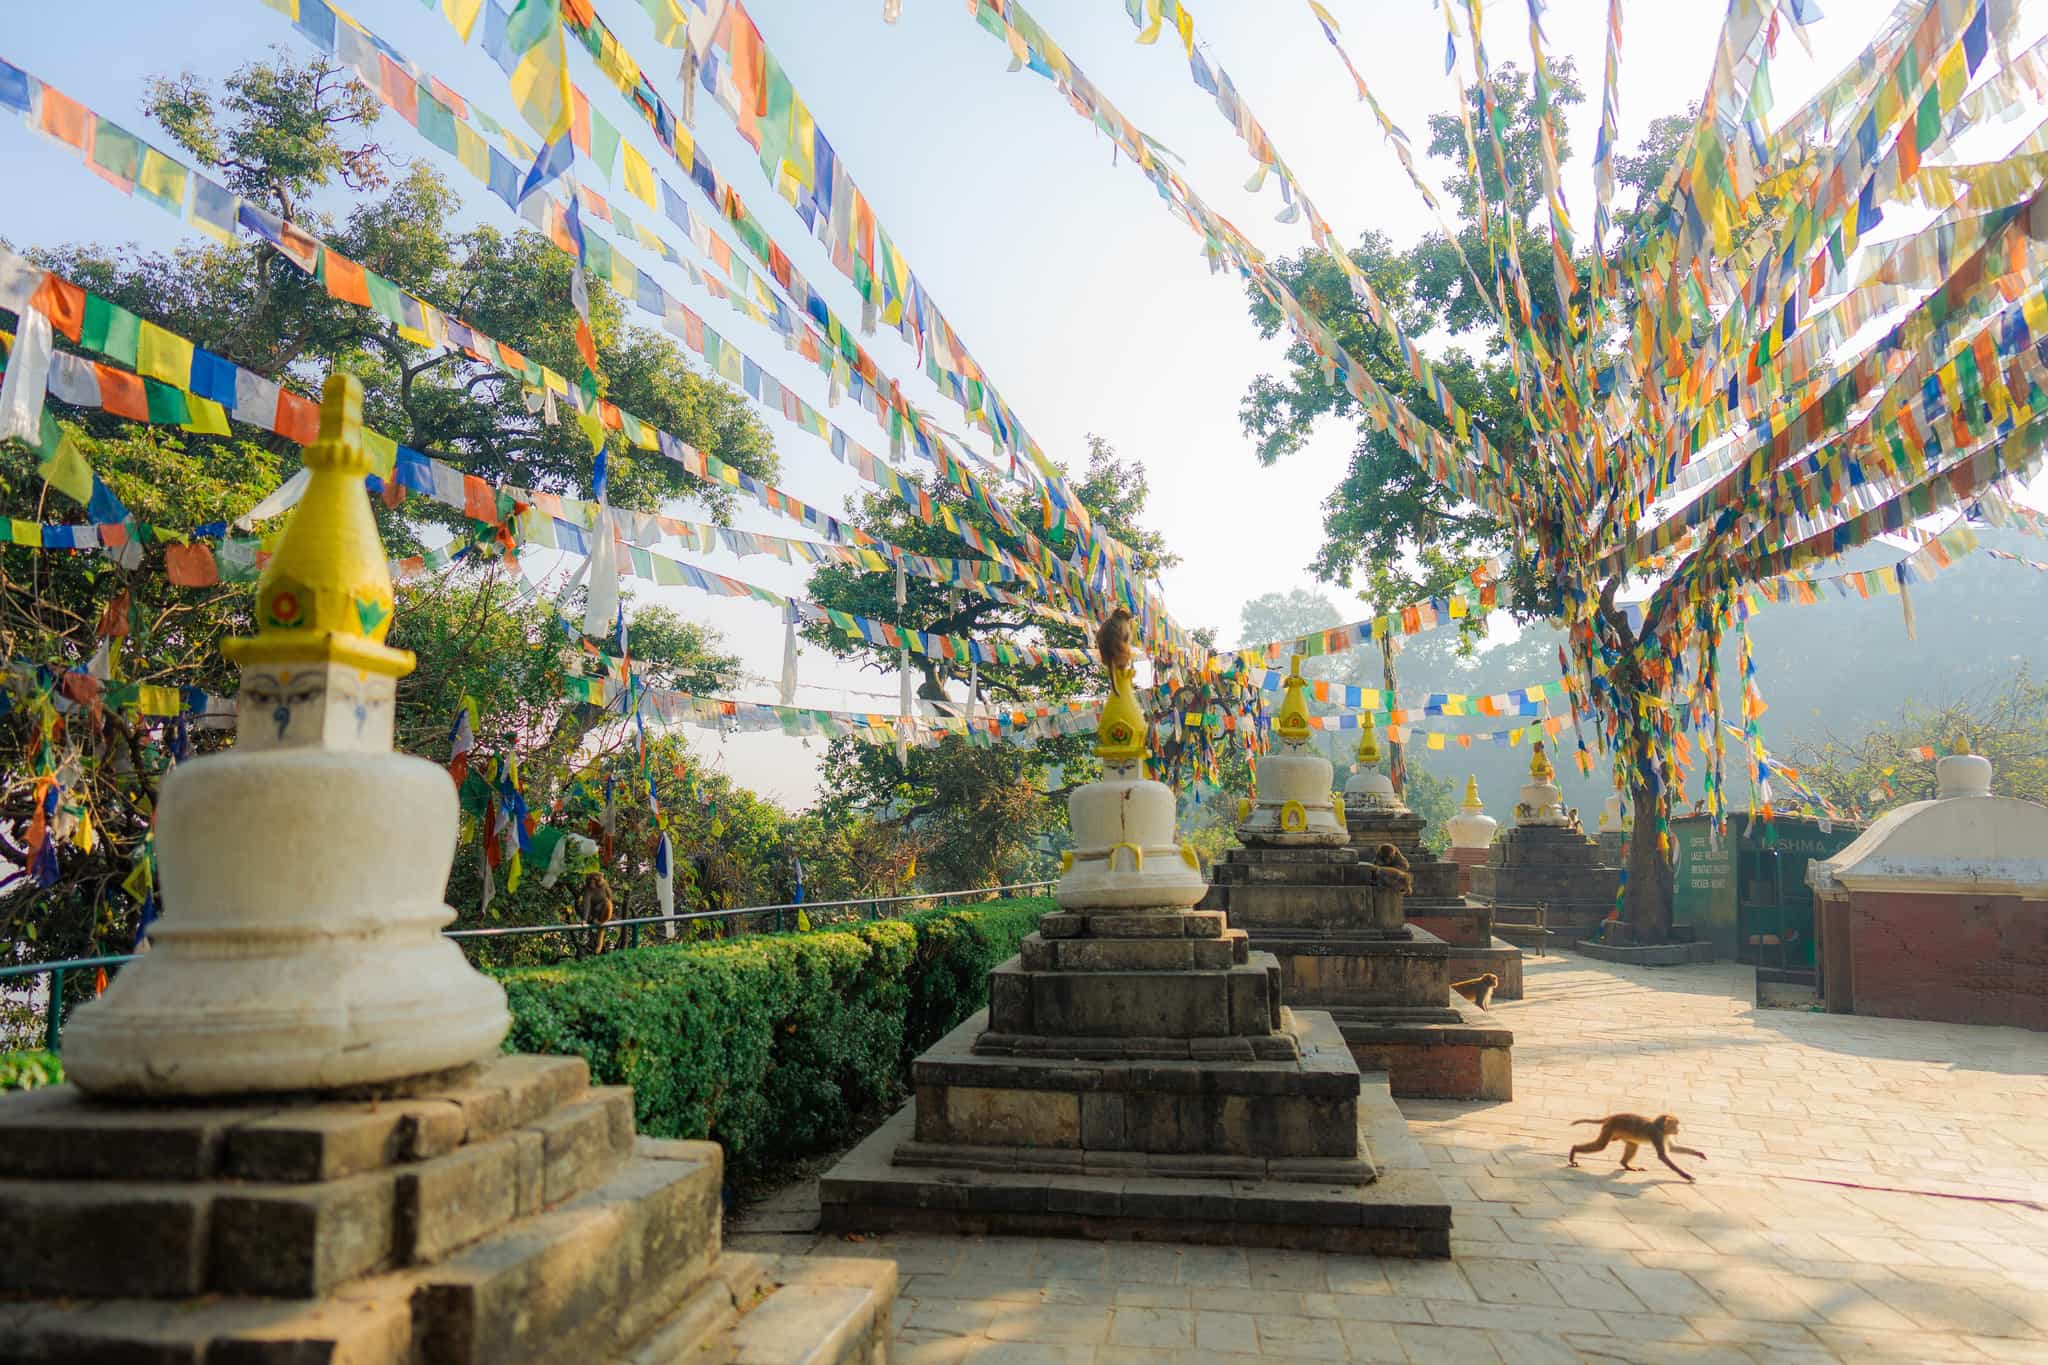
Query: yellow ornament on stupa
317, 673
1368, 743
1539, 764
1472, 802
1120, 732
1292, 722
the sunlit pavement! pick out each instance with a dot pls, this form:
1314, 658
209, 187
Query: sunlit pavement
1764, 1259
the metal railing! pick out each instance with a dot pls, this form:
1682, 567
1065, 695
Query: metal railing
56, 971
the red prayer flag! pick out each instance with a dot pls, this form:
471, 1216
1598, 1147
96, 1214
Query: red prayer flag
191, 566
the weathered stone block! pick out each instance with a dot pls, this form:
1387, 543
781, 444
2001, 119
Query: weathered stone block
104, 1240
1126, 955
1102, 1119
61, 1133
990, 1116
455, 1199
1009, 999
333, 1141
1131, 1004
582, 1141
299, 1241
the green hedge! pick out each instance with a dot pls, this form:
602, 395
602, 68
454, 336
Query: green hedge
776, 1046
27, 1070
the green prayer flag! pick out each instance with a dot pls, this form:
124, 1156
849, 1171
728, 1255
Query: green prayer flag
116, 151
166, 404
110, 329
437, 121
604, 143
384, 296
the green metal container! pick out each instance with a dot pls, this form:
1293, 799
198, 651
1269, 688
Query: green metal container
1749, 897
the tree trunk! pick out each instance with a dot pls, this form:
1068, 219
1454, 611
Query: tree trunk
1646, 902
1397, 773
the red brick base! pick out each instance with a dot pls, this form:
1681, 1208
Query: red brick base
1954, 957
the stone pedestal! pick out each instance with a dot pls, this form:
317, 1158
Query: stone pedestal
291, 1136
1437, 903
1136, 1075
1335, 925
1553, 866
507, 1215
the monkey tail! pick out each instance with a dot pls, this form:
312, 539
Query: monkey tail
1576, 1122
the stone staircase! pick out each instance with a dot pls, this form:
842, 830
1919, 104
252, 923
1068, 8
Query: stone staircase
510, 1216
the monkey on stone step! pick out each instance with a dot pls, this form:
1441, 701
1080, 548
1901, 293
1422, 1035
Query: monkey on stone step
1632, 1131
1479, 990
1394, 865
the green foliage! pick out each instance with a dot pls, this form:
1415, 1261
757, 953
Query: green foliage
982, 814
28, 1070
295, 137
775, 1046
1876, 770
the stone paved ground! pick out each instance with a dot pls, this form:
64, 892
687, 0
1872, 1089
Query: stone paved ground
1761, 1260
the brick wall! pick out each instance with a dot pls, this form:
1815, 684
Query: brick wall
1954, 957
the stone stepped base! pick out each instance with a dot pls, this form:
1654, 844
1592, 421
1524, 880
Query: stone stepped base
1402, 1212
508, 1216
1160, 1100
1467, 1057
1647, 955
1500, 957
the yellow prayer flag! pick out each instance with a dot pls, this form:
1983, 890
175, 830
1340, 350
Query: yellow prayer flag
639, 175
162, 355
383, 452
207, 417
473, 152
67, 472
461, 16
24, 532
162, 179
540, 86
1436, 739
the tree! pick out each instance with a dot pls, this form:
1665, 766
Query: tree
1389, 528
985, 812
292, 136
1882, 767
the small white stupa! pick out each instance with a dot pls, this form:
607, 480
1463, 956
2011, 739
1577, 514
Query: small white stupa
1965, 840
1369, 788
302, 871
1471, 827
1295, 805
1126, 855
1614, 815
1541, 800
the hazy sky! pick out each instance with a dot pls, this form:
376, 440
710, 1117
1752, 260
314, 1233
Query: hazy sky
1087, 303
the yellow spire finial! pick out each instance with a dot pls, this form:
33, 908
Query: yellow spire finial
1471, 802
325, 596
1292, 722
1368, 745
1539, 764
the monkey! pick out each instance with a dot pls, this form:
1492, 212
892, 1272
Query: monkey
1113, 643
1393, 868
594, 906
1633, 1130
1479, 990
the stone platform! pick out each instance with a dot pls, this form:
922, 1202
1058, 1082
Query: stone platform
1334, 924
1136, 1076
1170, 1150
1435, 880
1467, 927
508, 1215
1554, 866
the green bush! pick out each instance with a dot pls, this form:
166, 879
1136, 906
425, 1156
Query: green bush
777, 1046
27, 1070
